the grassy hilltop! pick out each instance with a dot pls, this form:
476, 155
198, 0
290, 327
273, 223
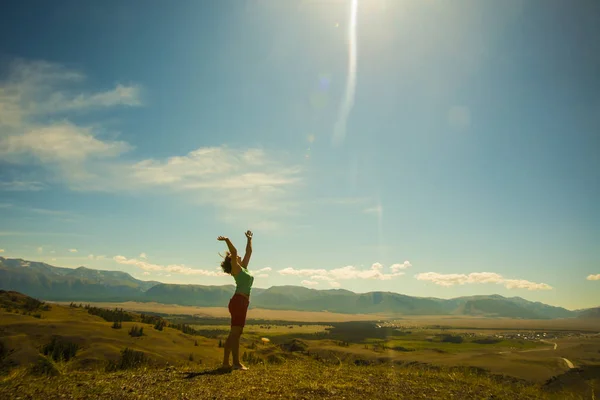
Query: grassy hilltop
61, 351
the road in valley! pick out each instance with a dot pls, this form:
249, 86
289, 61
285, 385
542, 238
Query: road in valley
568, 362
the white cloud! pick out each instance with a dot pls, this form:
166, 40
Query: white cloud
523, 284
343, 273
593, 277
233, 180
398, 267
480, 277
262, 275
335, 284
174, 268
266, 269
239, 180
1, 250
302, 272
321, 278
309, 283
143, 256
72, 250
40, 249
146, 273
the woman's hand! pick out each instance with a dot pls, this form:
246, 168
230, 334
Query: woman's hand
222, 238
248, 234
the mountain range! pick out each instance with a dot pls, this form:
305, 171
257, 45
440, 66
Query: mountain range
48, 282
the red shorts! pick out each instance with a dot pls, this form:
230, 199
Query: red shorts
238, 307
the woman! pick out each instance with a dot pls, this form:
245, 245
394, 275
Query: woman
238, 305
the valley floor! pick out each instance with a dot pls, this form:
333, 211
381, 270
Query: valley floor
292, 379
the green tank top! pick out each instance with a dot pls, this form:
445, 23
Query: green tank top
243, 281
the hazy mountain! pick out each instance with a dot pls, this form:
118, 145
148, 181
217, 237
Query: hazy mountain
55, 283
589, 313
47, 282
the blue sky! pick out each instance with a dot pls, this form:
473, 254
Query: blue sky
433, 148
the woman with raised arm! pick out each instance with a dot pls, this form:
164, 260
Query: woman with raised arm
238, 305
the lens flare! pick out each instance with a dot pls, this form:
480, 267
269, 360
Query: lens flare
339, 132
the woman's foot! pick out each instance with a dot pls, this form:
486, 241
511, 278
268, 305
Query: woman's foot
225, 366
241, 367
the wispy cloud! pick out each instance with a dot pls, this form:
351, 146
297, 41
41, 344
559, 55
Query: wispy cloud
232, 179
1, 250
344, 273
309, 283
377, 210
593, 277
22, 186
335, 284
480, 277
40, 249
174, 268
143, 256
72, 250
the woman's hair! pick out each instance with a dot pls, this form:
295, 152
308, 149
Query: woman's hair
226, 264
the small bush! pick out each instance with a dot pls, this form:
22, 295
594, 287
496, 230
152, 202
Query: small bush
452, 339
191, 357
401, 348
60, 349
136, 332
195, 343
130, 359
160, 325
117, 325
44, 366
275, 359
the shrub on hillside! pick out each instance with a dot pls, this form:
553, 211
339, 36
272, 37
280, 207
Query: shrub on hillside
44, 366
160, 325
452, 339
60, 349
185, 328
130, 359
135, 331
110, 315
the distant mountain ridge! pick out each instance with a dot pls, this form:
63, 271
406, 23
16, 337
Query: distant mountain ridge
48, 282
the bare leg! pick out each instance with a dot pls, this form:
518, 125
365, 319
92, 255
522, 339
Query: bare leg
227, 350
236, 332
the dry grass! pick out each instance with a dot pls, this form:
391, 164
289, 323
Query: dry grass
291, 380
